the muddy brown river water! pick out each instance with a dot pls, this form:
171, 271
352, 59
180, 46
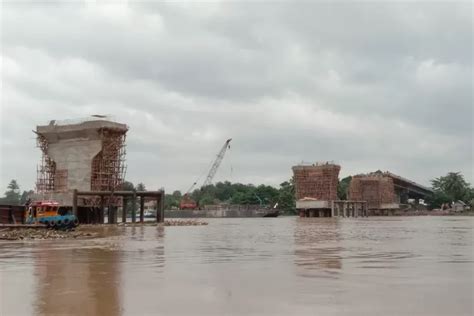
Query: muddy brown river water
249, 266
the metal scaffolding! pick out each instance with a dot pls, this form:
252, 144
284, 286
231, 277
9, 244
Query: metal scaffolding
375, 188
46, 170
108, 166
317, 181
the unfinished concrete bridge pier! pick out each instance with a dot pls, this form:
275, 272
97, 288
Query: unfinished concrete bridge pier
316, 192
385, 192
375, 193
86, 156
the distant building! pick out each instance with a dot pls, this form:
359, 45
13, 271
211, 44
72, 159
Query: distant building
460, 206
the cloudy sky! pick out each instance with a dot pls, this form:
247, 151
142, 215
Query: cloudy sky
368, 85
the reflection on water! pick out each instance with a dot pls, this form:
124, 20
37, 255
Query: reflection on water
251, 266
318, 243
70, 280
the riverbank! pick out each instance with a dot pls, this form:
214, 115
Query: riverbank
432, 213
82, 232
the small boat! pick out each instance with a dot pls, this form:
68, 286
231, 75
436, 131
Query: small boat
275, 212
50, 214
272, 214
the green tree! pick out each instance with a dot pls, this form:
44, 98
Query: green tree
450, 188
286, 197
343, 188
12, 195
268, 195
471, 198
171, 200
238, 198
141, 187
25, 196
453, 185
224, 191
238, 193
437, 199
206, 199
127, 186
248, 197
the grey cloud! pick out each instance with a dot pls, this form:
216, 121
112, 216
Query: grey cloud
371, 86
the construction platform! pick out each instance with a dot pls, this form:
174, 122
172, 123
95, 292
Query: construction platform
111, 199
308, 207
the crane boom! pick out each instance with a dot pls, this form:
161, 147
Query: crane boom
216, 164
187, 203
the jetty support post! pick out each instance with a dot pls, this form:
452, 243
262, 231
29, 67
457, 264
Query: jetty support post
142, 208
160, 207
102, 210
74, 202
134, 206
124, 209
131, 197
111, 213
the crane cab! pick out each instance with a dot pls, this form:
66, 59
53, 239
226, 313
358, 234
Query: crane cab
187, 203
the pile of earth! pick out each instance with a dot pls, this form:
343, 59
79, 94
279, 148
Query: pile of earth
168, 222
189, 222
42, 233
